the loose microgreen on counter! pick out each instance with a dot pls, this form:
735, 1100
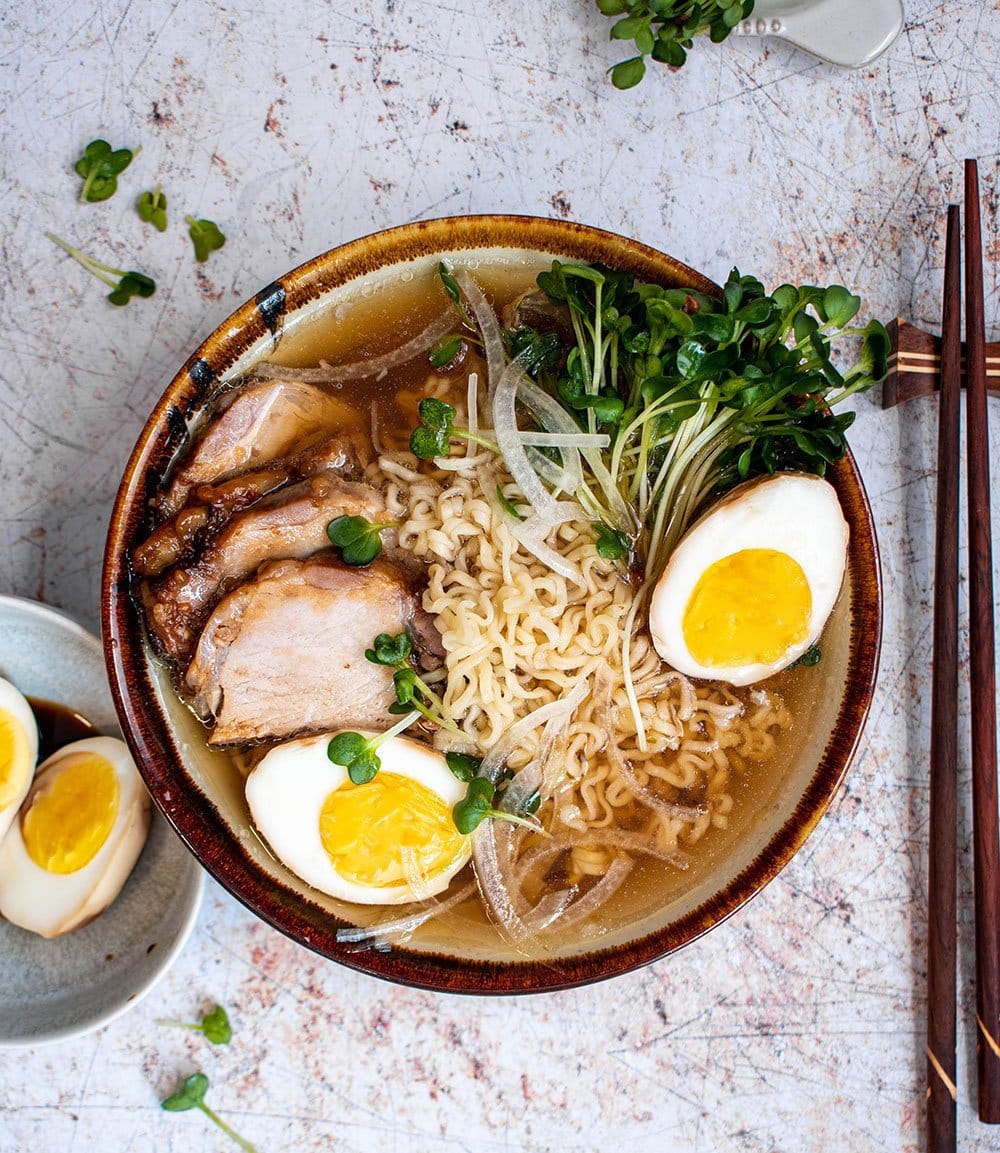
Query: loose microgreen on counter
191, 1095
206, 236
152, 208
100, 166
359, 539
215, 1025
129, 284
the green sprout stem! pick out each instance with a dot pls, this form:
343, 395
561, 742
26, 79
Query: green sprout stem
94, 267
227, 1129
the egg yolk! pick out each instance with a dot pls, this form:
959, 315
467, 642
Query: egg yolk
748, 608
14, 758
365, 829
71, 816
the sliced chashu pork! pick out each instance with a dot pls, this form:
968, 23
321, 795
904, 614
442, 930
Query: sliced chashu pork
290, 523
262, 421
211, 504
284, 653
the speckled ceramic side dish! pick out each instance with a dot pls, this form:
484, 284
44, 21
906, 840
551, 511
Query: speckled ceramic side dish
51, 990
199, 792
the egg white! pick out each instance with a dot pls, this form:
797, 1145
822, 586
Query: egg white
286, 793
793, 513
51, 904
16, 704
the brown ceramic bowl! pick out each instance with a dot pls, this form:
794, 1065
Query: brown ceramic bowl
199, 792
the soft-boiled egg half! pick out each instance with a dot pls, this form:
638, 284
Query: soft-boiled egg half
18, 752
385, 842
750, 586
76, 839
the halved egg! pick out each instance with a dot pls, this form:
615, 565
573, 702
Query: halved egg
18, 752
382, 843
77, 837
751, 585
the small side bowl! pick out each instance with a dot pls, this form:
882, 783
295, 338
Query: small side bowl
196, 791
63, 988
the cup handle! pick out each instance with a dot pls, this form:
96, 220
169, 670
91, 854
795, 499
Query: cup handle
850, 33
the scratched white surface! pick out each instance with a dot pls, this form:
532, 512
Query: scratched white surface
798, 1025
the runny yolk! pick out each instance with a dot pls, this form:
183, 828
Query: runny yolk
14, 757
72, 814
367, 830
748, 608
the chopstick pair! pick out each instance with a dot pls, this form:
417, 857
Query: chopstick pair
942, 1092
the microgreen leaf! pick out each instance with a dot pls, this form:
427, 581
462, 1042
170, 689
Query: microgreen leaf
206, 237
811, 657
507, 505
444, 352
100, 166
477, 805
215, 1025
432, 437
463, 765
454, 292
358, 539
405, 683
152, 208
129, 284
355, 753
390, 650
191, 1095
611, 542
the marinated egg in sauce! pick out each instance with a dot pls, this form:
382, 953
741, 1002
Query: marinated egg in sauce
751, 585
76, 839
18, 752
385, 842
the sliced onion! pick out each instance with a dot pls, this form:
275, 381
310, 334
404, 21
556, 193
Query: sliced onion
587, 905
491, 846
473, 414
562, 479
508, 441
489, 329
564, 440
384, 931
549, 908
378, 366
563, 708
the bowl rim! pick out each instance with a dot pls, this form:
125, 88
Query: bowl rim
166, 956
195, 817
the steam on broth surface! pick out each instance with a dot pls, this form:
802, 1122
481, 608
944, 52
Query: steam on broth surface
646, 778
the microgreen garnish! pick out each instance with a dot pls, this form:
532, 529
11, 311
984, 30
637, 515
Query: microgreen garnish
537, 352
463, 765
191, 1095
411, 691
215, 1025
129, 284
358, 753
665, 30
206, 237
445, 351
507, 505
812, 656
100, 166
432, 436
477, 805
612, 543
152, 208
358, 538
454, 293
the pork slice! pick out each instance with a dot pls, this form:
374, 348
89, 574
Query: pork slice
264, 421
290, 523
178, 539
284, 654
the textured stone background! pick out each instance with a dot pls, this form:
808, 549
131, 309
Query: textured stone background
798, 1025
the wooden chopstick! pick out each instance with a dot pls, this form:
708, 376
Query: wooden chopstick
982, 671
941, 926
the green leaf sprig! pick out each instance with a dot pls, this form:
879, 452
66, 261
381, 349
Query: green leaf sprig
127, 285
358, 539
477, 805
454, 294
665, 30
463, 765
809, 659
358, 752
206, 236
412, 692
191, 1095
100, 166
433, 435
612, 544
152, 208
446, 351
215, 1025
508, 505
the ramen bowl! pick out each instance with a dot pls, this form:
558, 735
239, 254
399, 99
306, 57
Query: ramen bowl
198, 790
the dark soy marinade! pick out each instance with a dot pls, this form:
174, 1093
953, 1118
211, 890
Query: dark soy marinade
58, 726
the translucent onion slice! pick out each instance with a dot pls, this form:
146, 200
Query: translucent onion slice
472, 416
489, 329
564, 440
561, 479
563, 708
587, 905
400, 927
378, 366
508, 441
